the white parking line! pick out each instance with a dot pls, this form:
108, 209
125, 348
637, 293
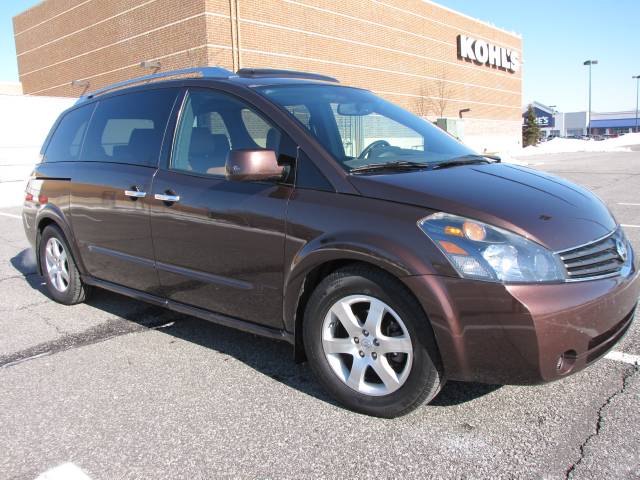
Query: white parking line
623, 357
66, 471
626, 225
633, 204
10, 215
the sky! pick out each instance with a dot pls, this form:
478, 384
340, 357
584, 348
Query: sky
558, 35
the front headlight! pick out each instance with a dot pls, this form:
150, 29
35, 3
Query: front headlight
484, 252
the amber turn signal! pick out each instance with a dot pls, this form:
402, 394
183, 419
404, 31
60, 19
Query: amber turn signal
451, 247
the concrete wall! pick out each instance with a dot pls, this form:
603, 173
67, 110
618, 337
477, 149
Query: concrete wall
24, 125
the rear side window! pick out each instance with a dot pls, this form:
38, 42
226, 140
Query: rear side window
66, 140
129, 128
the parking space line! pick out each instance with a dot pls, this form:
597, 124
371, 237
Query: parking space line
633, 204
66, 471
10, 215
626, 225
623, 357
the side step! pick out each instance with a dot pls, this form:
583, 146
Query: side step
201, 313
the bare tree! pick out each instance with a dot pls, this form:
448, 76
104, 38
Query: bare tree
422, 103
434, 97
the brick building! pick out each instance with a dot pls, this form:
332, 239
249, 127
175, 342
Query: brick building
425, 57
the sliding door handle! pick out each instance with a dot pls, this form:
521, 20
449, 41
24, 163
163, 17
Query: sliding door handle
135, 194
167, 198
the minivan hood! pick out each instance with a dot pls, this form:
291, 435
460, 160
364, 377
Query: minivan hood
545, 208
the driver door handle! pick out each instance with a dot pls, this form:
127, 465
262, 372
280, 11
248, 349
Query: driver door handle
167, 198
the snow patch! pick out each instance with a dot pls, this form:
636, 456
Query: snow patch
571, 145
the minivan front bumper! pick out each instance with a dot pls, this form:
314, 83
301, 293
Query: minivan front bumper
524, 334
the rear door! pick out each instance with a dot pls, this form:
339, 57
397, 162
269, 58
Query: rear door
112, 183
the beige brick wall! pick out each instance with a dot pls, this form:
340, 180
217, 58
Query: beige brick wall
404, 50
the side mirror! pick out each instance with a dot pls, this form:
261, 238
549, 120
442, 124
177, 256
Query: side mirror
247, 165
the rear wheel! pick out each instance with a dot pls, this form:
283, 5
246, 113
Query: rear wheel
370, 344
59, 268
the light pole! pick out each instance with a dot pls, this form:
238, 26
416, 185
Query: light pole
637, 77
589, 63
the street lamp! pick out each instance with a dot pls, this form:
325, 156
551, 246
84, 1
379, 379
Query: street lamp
637, 77
589, 63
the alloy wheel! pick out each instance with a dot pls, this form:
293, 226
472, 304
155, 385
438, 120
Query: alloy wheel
57, 264
367, 345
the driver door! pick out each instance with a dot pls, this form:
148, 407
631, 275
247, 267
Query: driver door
219, 244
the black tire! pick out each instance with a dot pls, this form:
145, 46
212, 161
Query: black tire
425, 378
76, 292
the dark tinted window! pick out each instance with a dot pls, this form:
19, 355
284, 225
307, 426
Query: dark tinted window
129, 128
212, 124
66, 141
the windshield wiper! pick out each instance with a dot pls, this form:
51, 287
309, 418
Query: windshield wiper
466, 160
399, 165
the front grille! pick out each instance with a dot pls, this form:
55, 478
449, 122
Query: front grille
594, 260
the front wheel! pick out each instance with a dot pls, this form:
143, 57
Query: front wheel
370, 344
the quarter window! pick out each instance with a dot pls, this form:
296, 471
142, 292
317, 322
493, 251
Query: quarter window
66, 141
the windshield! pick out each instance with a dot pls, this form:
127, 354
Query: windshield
358, 128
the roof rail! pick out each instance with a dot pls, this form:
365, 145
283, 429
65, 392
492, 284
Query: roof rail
276, 73
208, 72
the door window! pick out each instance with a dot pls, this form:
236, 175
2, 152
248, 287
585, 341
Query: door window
129, 128
214, 123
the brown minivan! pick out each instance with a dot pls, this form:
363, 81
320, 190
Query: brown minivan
391, 256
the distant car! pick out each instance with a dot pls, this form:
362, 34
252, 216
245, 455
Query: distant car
391, 256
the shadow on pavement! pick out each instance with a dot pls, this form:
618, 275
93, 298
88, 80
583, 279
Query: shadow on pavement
269, 357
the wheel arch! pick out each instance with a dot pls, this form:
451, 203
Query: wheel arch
302, 285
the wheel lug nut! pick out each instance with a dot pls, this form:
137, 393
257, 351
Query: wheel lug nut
376, 342
365, 333
361, 353
374, 355
356, 339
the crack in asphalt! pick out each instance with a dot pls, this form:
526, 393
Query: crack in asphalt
114, 327
628, 373
22, 275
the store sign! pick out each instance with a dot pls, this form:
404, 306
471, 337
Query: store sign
485, 53
543, 119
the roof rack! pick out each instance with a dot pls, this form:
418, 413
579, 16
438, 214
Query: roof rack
276, 73
208, 72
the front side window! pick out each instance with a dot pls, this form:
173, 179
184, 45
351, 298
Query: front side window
66, 142
214, 123
129, 128
358, 128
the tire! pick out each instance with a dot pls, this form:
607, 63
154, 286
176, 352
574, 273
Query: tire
417, 374
59, 268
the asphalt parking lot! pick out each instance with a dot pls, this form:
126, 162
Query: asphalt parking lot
124, 390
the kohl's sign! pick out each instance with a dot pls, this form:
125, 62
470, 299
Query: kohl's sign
485, 53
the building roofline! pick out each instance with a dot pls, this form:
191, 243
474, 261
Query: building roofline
469, 17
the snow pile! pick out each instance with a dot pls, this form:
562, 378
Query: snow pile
568, 145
